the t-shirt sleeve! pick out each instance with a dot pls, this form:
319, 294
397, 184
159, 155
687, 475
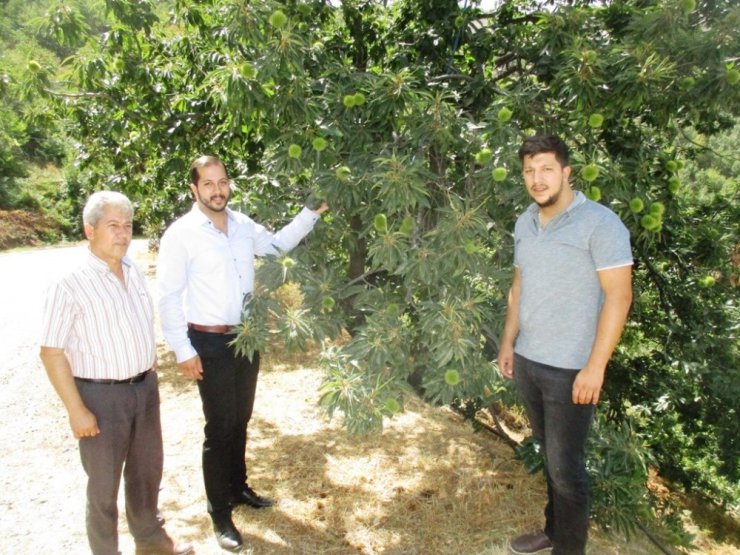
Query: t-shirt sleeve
610, 244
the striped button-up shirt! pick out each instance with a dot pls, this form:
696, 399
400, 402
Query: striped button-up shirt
105, 329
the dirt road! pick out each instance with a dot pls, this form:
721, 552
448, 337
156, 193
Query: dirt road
42, 499
42, 484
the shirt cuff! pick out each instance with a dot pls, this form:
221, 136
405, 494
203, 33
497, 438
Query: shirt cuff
308, 215
185, 352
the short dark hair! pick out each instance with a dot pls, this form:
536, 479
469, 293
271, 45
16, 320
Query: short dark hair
537, 144
202, 162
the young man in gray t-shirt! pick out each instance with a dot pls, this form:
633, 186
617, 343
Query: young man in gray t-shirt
567, 306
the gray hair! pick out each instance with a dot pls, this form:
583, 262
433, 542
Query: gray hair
98, 202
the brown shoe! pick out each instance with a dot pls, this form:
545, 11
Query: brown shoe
165, 547
527, 544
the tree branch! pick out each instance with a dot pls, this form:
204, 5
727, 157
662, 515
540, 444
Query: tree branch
77, 95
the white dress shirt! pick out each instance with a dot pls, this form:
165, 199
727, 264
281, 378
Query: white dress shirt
203, 275
105, 329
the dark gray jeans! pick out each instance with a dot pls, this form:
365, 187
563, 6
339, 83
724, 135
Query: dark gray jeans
561, 427
129, 443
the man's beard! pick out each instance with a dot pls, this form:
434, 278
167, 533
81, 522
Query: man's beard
207, 203
552, 200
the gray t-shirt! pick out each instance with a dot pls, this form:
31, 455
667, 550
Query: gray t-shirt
561, 296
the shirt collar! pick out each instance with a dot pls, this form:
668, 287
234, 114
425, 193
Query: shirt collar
201, 219
100, 265
578, 199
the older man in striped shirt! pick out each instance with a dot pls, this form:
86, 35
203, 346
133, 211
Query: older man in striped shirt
98, 348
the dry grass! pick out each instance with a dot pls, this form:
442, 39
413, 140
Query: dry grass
427, 485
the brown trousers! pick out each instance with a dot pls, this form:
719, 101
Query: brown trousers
129, 443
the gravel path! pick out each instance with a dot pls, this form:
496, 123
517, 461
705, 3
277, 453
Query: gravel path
42, 498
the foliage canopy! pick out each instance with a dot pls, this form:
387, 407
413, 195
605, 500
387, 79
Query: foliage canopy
407, 119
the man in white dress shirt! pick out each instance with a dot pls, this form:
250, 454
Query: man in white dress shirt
99, 352
205, 270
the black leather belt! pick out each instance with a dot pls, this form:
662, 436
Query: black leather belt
134, 379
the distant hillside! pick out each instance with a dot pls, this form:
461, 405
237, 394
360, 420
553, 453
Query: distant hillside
20, 228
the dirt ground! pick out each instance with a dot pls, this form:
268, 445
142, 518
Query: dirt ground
427, 485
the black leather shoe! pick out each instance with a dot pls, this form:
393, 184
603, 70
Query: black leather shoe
227, 535
528, 544
249, 497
